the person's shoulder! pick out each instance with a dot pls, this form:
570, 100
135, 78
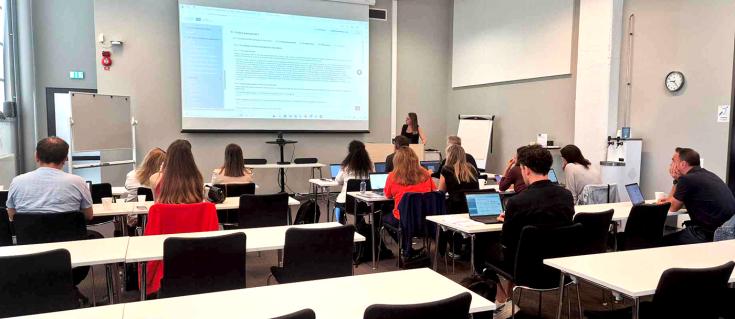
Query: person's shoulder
131, 173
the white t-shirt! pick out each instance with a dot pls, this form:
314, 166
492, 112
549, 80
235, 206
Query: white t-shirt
342, 177
577, 177
131, 186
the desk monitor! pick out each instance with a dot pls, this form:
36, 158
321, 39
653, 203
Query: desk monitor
377, 181
552, 176
634, 192
334, 169
380, 167
431, 165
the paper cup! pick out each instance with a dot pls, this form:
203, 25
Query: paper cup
141, 198
2, 187
660, 195
107, 202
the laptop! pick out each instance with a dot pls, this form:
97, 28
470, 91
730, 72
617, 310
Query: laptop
552, 176
377, 182
635, 194
484, 207
431, 165
380, 167
334, 169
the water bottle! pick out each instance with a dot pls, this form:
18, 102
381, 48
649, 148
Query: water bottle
363, 187
338, 215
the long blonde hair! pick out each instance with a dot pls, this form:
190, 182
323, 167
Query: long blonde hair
407, 170
182, 183
151, 164
457, 160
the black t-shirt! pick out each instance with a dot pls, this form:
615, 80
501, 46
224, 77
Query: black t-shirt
389, 163
707, 198
413, 137
541, 204
456, 202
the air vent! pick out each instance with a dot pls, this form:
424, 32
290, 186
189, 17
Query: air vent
378, 14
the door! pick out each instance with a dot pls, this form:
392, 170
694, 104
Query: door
9, 146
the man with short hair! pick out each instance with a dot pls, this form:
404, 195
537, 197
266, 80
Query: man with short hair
398, 142
708, 200
48, 189
454, 140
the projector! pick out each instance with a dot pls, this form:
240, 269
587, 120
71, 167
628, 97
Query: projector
368, 2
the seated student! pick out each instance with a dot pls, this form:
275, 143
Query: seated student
512, 176
454, 140
356, 164
179, 181
233, 171
457, 176
708, 200
140, 177
398, 142
578, 171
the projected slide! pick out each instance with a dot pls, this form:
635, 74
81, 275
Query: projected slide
249, 70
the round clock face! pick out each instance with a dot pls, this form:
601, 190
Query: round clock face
674, 81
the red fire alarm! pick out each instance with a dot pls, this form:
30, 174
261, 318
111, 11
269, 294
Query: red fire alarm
106, 60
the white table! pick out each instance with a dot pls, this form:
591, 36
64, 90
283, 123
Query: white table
370, 199
104, 251
636, 273
128, 208
102, 312
282, 168
322, 186
342, 298
146, 248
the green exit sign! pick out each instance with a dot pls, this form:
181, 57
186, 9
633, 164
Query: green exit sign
76, 75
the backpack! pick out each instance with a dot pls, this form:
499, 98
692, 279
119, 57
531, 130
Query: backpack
484, 287
305, 214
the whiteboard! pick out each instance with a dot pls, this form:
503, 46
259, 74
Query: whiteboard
507, 40
100, 122
476, 135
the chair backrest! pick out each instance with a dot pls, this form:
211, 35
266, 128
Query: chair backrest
100, 191
255, 161
414, 207
457, 307
39, 228
317, 253
202, 265
353, 185
539, 243
6, 234
235, 190
676, 285
147, 192
301, 314
598, 194
596, 230
645, 226
3, 198
36, 283
263, 210
181, 218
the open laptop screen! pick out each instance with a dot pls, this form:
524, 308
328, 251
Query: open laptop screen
431, 165
334, 169
634, 193
380, 167
484, 204
552, 176
377, 181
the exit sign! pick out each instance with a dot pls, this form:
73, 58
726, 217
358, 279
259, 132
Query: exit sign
76, 75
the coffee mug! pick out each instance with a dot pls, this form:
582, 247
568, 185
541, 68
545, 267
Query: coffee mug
107, 202
141, 198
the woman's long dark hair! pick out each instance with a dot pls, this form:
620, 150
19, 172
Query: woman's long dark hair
357, 161
415, 121
182, 183
234, 163
572, 154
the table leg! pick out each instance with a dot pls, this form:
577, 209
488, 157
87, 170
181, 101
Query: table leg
636, 307
561, 295
472, 253
315, 189
372, 235
110, 283
142, 280
436, 248
328, 216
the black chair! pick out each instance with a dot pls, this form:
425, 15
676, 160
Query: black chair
202, 265
39, 228
528, 271
235, 190
316, 253
353, 185
3, 199
147, 192
6, 233
596, 231
100, 191
36, 283
301, 314
255, 161
457, 307
644, 227
674, 292
263, 210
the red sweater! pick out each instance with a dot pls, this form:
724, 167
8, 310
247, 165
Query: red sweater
396, 191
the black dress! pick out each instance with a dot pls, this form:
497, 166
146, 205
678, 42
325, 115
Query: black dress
413, 137
456, 203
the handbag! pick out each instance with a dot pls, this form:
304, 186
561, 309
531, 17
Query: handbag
216, 195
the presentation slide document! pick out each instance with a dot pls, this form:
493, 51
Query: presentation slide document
251, 70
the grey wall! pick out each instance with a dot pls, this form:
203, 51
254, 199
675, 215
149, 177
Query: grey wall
521, 108
695, 37
147, 69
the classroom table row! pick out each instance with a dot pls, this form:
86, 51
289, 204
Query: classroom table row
129, 208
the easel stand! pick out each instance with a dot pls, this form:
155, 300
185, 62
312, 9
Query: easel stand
281, 171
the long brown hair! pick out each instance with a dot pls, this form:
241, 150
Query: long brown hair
407, 170
357, 161
457, 160
182, 182
414, 122
234, 163
151, 164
